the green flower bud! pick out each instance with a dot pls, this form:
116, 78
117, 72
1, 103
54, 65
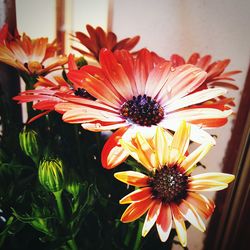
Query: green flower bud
51, 174
28, 140
73, 185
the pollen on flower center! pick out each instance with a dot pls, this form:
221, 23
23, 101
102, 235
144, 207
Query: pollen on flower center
169, 184
142, 110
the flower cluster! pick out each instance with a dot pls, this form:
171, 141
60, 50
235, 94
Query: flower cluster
153, 105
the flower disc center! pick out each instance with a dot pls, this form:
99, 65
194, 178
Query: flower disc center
142, 110
169, 184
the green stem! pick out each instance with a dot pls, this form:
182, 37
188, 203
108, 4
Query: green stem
58, 198
72, 244
138, 236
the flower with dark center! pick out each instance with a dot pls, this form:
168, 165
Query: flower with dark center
142, 110
169, 194
139, 92
169, 184
34, 57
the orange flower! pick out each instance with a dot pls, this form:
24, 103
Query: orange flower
44, 95
99, 39
34, 57
216, 77
169, 194
137, 93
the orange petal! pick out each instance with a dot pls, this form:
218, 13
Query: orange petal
151, 217
190, 214
133, 178
201, 203
179, 225
112, 153
136, 210
137, 195
164, 222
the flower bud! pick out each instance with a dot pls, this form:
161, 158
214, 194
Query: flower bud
28, 140
73, 185
51, 174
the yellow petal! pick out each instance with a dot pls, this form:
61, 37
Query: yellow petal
206, 185
181, 138
189, 163
220, 177
132, 178
161, 146
136, 154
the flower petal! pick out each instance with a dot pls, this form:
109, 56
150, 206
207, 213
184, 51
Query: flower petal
137, 195
112, 153
206, 185
136, 210
221, 177
132, 178
164, 222
197, 97
181, 140
189, 163
179, 225
151, 217
201, 203
190, 214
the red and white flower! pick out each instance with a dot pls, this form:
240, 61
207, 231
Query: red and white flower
140, 92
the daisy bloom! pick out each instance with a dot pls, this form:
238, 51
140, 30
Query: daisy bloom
139, 92
32, 56
169, 194
216, 75
43, 95
99, 39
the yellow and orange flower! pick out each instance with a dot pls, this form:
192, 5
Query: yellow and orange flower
216, 75
139, 92
99, 39
169, 194
32, 56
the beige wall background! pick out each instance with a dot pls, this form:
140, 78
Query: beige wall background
219, 28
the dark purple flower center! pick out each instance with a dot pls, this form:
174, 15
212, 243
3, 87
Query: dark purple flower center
142, 110
169, 184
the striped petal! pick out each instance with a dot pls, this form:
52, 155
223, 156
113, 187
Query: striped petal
151, 217
112, 153
137, 195
164, 222
132, 178
202, 204
190, 214
179, 225
136, 210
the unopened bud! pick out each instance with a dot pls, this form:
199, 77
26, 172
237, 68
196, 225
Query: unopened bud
28, 140
51, 174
